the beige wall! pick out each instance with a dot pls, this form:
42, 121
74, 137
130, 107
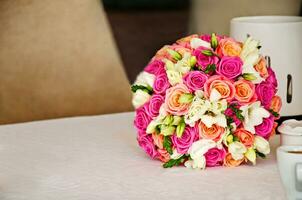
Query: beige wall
209, 16
58, 58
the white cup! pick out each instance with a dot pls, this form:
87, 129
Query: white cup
290, 167
291, 132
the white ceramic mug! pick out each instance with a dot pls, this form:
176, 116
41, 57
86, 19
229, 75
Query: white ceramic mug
290, 167
291, 132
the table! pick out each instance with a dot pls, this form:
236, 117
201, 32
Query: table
97, 157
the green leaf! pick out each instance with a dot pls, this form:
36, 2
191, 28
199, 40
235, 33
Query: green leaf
207, 52
167, 143
157, 129
259, 154
175, 162
237, 112
229, 122
236, 139
274, 113
210, 68
186, 98
148, 89
214, 41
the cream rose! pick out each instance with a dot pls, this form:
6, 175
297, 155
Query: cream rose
237, 150
140, 97
145, 79
262, 145
199, 163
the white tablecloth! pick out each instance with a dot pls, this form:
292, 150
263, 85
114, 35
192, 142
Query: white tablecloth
92, 158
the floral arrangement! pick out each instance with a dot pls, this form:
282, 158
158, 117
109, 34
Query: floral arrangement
206, 101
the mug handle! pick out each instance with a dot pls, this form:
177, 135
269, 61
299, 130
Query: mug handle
299, 177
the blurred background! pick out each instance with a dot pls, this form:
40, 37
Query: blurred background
61, 58
140, 27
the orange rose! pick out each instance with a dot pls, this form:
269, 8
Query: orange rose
214, 132
222, 84
229, 161
185, 42
180, 49
158, 140
162, 54
164, 155
229, 47
245, 91
261, 68
276, 104
245, 137
172, 104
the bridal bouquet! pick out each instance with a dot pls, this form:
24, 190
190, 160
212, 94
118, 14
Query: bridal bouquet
206, 101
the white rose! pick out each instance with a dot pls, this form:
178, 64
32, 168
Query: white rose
140, 98
174, 77
262, 145
237, 150
199, 163
197, 42
145, 79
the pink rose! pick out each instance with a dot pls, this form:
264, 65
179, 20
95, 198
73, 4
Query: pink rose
155, 67
203, 60
230, 67
183, 143
266, 127
265, 92
172, 104
142, 119
154, 105
141, 133
215, 157
195, 80
146, 143
161, 84
222, 84
272, 77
